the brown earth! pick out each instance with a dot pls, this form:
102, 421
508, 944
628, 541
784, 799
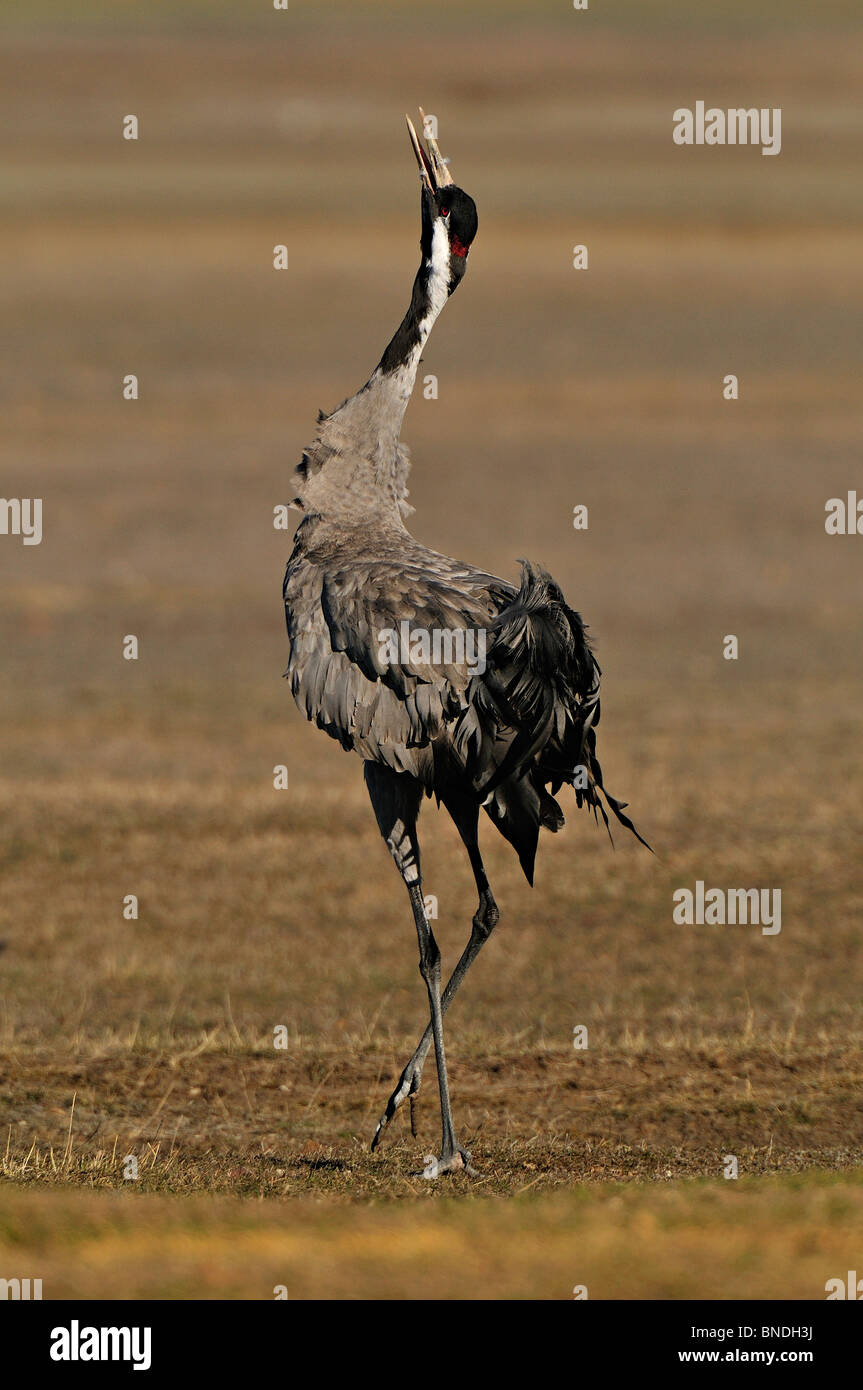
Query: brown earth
261, 909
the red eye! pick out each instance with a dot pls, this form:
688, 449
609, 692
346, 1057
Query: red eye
444, 212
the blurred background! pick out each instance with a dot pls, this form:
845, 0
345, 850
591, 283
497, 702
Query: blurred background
556, 388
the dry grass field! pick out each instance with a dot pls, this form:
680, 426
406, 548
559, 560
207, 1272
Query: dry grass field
261, 908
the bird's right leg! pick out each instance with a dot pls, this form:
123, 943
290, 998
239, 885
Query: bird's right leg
466, 816
396, 799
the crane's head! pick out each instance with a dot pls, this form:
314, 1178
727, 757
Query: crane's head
449, 219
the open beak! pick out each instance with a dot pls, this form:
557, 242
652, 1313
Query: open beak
433, 172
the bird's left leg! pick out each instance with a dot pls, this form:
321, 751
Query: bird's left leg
465, 814
396, 799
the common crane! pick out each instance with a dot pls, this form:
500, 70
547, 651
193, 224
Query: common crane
444, 679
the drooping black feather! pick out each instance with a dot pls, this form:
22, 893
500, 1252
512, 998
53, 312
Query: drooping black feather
532, 716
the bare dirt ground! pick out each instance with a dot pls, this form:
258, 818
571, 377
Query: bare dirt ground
262, 909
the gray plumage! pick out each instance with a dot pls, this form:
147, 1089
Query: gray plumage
504, 734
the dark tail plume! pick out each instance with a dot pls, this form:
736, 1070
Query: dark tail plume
532, 719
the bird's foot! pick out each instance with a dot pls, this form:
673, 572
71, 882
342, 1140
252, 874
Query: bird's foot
408, 1086
457, 1162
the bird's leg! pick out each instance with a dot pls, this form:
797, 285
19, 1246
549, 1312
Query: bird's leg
485, 920
451, 1156
409, 1082
396, 799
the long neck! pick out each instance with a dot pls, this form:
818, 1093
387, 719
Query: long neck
356, 465
392, 381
